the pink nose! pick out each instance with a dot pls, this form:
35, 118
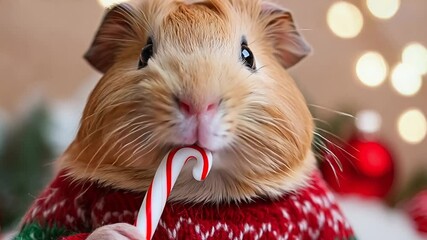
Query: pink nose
189, 109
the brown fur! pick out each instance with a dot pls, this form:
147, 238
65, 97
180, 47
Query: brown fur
130, 120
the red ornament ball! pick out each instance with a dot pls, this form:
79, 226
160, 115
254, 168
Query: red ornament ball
417, 210
361, 166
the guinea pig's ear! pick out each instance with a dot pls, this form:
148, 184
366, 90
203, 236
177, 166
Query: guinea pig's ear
114, 27
290, 47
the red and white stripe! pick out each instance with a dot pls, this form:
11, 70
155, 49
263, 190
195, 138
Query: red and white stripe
164, 180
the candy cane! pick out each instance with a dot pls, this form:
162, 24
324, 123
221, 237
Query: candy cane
163, 182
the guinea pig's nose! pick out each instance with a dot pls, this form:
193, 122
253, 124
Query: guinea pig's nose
190, 109
185, 108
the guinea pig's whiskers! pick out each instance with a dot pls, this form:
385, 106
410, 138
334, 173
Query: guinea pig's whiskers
241, 151
142, 148
248, 137
267, 152
81, 152
137, 152
274, 122
132, 131
322, 121
330, 164
327, 149
131, 163
247, 151
101, 110
322, 148
102, 160
133, 122
105, 141
145, 146
102, 128
123, 149
122, 127
277, 123
316, 133
84, 188
318, 156
330, 134
341, 149
331, 110
340, 139
329, 152
89, 136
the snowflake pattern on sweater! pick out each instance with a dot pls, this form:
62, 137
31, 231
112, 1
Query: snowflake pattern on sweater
79, 208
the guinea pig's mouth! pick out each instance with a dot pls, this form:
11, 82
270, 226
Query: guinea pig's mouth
209, 143
207, 130
196, 145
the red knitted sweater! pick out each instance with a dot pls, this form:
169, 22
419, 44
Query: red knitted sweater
75, 209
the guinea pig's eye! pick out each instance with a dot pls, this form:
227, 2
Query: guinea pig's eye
247, 56
146, 54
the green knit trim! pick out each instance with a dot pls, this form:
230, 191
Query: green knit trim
35, 231
350, 238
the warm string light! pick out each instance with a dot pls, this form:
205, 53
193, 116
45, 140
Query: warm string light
412, 126
383, 9
372, 69
415, 54
109, 3
406, 80
345, 20
368, 121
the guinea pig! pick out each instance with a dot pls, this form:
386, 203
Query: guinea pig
211, 73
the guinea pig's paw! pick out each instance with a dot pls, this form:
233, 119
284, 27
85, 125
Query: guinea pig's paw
118, 231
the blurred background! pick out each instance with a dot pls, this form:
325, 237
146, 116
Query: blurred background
365, 84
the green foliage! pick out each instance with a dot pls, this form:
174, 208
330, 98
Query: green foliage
416, 184
24, 168
36, 232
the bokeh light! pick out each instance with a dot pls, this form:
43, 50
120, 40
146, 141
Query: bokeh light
383, 9
368, 121
412, 126
406, 80
371, 69
415, 54
109, 3
345, 20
